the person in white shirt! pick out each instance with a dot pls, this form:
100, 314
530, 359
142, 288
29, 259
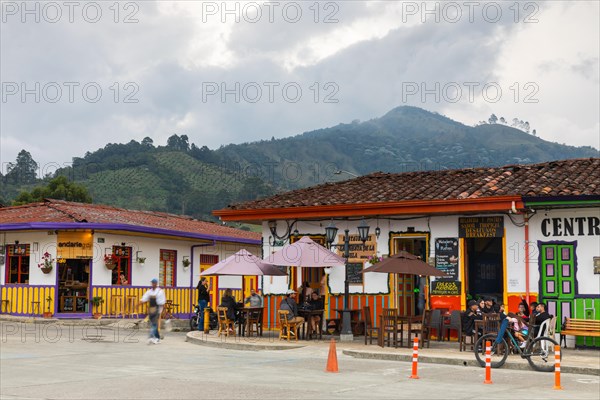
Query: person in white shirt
155, 297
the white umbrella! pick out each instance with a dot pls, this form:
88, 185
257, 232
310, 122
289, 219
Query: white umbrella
305, 253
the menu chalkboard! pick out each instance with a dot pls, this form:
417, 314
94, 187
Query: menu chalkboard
354, 272
445, 288
446, 256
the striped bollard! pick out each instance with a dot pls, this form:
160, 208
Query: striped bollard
557, 368
488, 362
415, 359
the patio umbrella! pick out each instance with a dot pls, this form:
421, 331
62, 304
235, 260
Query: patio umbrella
307, 254
404, 263
243, 263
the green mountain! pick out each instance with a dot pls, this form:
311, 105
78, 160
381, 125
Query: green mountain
184, 178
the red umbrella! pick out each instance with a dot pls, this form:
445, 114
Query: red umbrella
404, 263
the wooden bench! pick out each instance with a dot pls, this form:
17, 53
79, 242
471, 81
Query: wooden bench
580, 327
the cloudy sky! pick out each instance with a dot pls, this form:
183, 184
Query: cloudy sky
77, 76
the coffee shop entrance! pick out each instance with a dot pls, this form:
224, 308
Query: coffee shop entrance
484, 260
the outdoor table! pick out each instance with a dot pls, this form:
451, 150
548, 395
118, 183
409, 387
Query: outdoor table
306, 314
243, 326
409, 320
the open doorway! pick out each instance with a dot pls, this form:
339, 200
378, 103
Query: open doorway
411, 288
73, 284
484, 267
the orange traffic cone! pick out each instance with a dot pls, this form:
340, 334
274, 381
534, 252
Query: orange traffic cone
332, 364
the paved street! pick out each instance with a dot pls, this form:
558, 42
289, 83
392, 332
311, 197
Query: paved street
83, 363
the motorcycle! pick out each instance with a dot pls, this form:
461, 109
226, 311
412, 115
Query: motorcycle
213, 320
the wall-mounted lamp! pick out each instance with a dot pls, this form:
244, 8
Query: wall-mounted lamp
275, 237
123, 244
16, 242
596, 265
35, 246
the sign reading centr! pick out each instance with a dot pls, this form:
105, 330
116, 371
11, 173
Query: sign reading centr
578, 226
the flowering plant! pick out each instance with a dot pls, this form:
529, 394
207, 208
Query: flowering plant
110, 259
374, 259
47, 261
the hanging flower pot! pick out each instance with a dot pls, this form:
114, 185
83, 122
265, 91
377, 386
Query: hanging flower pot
110, 261
46, 265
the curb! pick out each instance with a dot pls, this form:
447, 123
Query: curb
190, 337
456, 361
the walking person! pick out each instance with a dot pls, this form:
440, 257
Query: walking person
203, 300
155, 297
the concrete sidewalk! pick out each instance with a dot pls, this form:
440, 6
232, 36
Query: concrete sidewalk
585, 362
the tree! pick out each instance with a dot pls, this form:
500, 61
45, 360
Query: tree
534, 133
502, 120
23, 170
493, 119
148, 142
177, 142
59, 188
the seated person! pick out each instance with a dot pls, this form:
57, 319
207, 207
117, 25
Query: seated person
490, 306
229, 302
305, 291
469, 317
519, 328
316, 303
289, 303
254, 299
123, 280
541, 316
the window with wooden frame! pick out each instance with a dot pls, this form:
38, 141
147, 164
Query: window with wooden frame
17, 263
123, 255
166, 272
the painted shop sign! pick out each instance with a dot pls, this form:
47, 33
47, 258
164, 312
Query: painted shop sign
71, 245
446, 256
578, 226
481, 227
445, 288
358, 254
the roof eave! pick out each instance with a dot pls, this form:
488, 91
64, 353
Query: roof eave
453, 206
44, 226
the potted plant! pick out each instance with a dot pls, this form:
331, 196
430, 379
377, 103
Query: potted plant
47, 263
186, 262
110, 261
374, 259
96, 303
48, 313
141, 260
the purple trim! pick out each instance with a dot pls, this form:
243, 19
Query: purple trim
24, 285
122, 227
73, 315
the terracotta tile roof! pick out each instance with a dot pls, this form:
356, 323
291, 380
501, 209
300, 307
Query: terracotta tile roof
65, 211
556, 178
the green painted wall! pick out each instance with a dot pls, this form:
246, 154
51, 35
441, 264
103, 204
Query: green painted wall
587, 309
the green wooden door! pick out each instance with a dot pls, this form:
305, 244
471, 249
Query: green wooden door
557, 278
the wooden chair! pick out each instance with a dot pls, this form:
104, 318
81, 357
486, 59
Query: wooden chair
424, 331
368, 325
491, 323
253, 322
287, 329
116, 306
389, 327
225, 324
131, 303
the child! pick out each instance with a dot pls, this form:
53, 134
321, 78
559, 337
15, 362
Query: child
519, 327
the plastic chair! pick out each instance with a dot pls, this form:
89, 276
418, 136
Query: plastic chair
435, 322
455, 325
